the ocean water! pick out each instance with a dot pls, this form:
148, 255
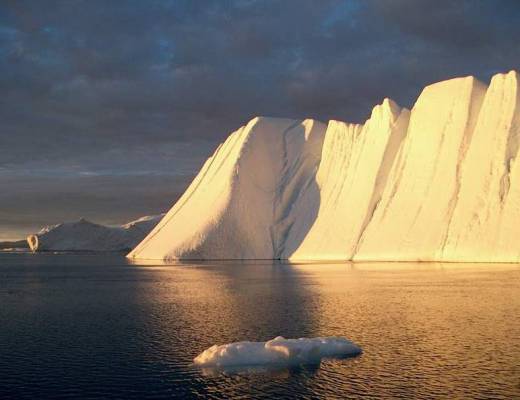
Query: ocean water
91, 326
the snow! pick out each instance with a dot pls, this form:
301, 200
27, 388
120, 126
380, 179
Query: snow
278, 351
84, 235
439, 182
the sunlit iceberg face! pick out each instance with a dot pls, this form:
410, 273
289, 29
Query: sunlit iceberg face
437, 183
278, 352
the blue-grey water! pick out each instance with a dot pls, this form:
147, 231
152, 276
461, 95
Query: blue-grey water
91, 326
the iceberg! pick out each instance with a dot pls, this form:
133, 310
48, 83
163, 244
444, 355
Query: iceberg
247, 196
439, 182
279, 352
416, 206
84, 235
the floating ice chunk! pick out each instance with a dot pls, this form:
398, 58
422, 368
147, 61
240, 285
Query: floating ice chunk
278, 351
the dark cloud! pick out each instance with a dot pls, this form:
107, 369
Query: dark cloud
33, 202
130, 87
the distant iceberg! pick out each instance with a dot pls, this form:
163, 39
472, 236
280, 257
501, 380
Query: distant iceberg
279, 352
440, 182
84, 235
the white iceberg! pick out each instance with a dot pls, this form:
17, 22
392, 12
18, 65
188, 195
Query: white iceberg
279, 352
244, 200
84, 235
438, 183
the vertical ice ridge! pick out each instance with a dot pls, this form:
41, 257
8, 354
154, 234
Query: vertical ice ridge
303, 146
433, 172
287, 223
401, 118
482, 212
286, 175
512, 144
438, 152
336, 159
359, 162
351, 134
408, 223
400, 162
397, 167
479, 90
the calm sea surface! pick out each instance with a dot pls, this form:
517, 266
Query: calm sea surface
91, 326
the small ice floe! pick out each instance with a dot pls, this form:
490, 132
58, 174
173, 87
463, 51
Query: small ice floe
278, 352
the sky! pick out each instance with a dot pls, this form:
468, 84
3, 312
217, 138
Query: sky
109, 108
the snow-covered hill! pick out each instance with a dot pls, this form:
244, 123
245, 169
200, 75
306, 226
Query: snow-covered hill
437, 183
84, 235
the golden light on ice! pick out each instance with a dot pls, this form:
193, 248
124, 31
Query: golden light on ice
437, 183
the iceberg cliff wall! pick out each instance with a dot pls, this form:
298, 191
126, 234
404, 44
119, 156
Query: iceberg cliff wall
412, 218
486, 218
437, 183
352, 173
243, 202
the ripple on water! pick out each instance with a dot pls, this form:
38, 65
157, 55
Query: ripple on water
95, 327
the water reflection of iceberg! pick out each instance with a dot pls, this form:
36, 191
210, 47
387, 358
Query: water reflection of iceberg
222, 302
